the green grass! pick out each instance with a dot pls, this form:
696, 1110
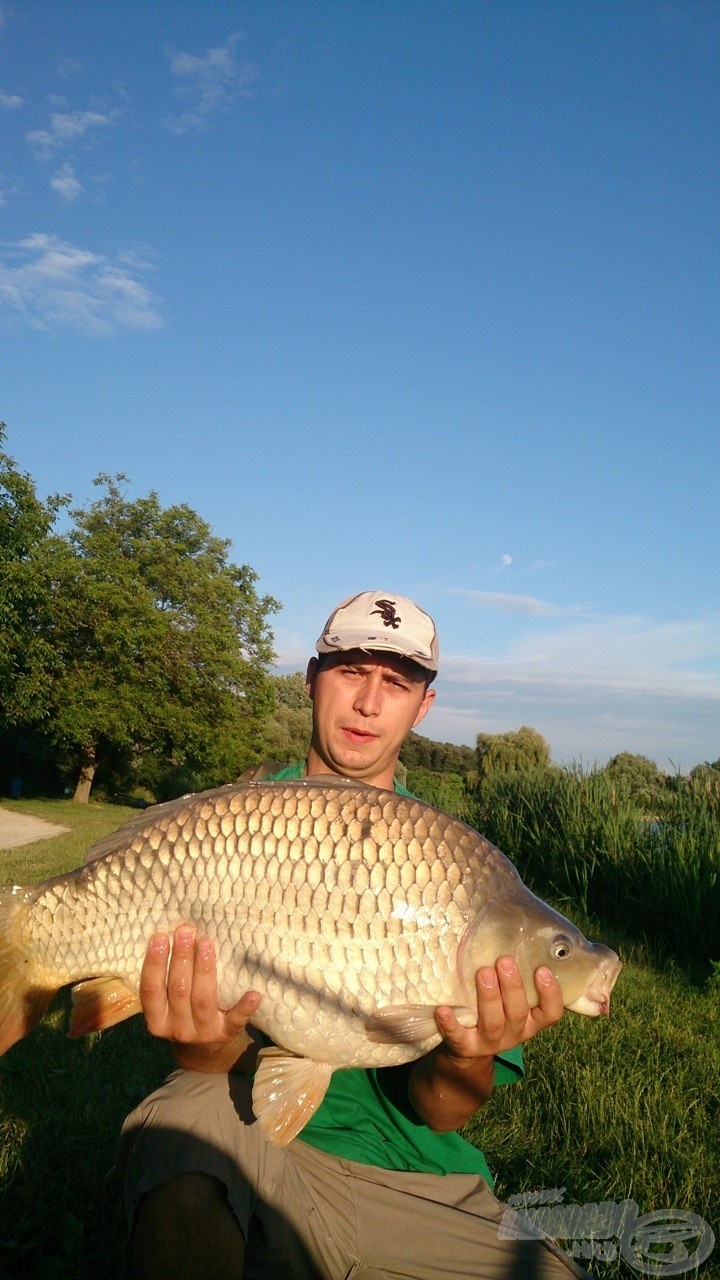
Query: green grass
620, 1109
611, 1109
32, 862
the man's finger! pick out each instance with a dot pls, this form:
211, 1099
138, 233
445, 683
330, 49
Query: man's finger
153, 982
180, 968
203, 995
512, 993
550, 1008
237, 1018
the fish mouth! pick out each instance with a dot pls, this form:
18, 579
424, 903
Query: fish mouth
596, 999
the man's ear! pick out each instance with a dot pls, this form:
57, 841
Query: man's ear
310, 677
425, 706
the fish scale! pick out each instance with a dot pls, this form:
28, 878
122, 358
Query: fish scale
353, 911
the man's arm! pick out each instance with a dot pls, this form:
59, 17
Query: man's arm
449, 1084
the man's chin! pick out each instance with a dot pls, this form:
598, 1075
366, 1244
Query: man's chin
361, 761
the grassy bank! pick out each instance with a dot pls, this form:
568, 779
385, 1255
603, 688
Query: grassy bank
87, 823
618, 1109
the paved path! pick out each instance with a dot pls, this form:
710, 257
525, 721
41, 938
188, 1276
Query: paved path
21, 828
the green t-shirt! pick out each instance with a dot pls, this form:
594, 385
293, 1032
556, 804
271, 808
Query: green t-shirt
366, 1115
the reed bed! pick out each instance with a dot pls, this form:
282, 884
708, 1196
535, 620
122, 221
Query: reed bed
577, 837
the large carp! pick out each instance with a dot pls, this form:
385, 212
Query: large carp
354, 911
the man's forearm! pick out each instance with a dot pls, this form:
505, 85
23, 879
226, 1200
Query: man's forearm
446, 1090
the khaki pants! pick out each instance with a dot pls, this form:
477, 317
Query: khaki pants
306, 1215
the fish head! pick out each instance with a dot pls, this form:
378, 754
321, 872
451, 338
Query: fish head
523, 926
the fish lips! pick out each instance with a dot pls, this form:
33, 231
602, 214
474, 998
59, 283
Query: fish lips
596, 999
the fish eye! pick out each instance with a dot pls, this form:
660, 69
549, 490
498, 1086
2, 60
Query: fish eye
561, 947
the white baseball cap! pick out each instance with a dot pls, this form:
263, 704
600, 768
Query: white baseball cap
379, 620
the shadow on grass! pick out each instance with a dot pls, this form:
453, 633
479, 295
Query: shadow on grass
61, 1107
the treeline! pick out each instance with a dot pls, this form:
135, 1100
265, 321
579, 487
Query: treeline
133, 652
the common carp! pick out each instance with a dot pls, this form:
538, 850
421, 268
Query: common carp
354, 911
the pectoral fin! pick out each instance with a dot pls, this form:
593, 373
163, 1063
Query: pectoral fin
287, 1092
409, 1024
100, 1003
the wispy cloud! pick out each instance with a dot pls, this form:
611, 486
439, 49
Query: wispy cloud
49, 284
594, 688
68, 68
10, 101
210, 83
506, 602
66, 128
66, 184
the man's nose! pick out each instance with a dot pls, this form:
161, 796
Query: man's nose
368, 697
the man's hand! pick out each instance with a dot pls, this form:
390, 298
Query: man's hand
449, 1084
180, 1003
504, 1017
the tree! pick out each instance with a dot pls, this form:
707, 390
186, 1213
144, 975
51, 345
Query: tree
26, 657
637, 776
501, 755
708, 769
286, 733
419, 752
161, 643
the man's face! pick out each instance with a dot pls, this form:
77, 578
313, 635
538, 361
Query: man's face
364, 706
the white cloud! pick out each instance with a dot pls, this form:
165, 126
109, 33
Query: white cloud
10, 101
49, 283
66, 184
505, 602
68, 68
66, 127
211, 83
594, 688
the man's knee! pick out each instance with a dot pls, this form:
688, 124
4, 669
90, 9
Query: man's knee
185, 1227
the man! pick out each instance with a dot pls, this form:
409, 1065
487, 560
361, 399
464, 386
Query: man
379, 1184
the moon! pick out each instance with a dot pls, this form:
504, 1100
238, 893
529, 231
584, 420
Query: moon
506, 559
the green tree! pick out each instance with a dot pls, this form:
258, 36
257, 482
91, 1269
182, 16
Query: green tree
419, 752
161, 643
708, 769
636, 776
286, 733
26, 657
502, 755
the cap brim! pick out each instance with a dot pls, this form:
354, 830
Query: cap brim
374, 643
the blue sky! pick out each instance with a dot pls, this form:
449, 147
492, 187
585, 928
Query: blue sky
397, 294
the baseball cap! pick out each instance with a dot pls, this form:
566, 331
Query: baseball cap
379, 620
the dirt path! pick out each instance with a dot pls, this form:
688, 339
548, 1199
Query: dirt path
21, 828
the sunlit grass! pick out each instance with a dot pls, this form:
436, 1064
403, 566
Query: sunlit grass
44, 858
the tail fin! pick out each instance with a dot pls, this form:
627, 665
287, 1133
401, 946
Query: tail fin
23, 999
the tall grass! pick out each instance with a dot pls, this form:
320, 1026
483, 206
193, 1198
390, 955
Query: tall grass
577, 837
